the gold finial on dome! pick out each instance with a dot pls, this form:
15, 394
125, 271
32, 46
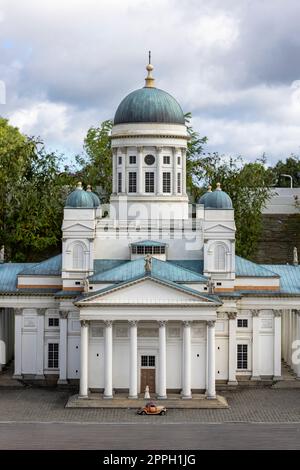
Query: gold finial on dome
209, 189
79, 185
218, 186
89, 188
149, 79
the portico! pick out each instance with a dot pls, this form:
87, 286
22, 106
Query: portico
136, 345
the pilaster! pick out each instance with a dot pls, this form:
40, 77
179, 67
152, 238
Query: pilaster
255, 345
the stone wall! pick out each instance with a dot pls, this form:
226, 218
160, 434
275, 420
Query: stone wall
281, 232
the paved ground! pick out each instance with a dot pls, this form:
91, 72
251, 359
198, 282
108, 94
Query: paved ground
155, 437
257, 418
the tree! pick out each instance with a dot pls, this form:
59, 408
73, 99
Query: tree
291, 166
33, 190
96, 164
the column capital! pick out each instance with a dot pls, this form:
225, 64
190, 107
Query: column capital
114, 151
108, 323
231, 315
133, 323
159, 149
18, 311
296, 312
41, 311
162, 323
277, 313
255, 313
186, 324
140, 149
123, 150
84, 323
64, 314
211, 323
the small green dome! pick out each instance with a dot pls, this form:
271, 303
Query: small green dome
202, 199
149, 104
218, 199
80, 198
94, 196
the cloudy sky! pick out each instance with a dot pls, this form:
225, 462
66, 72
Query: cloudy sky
235, 64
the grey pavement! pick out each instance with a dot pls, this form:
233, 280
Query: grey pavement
263, 405
70, 436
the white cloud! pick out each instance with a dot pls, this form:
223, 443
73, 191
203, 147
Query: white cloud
67, 65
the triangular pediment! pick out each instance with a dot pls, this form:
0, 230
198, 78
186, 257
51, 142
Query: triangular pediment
219, 228
77, 227
147, 290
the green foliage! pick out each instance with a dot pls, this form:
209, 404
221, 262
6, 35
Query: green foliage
96, 164
291, 166
33, 191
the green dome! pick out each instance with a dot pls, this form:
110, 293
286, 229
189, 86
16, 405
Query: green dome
149, 104
80, 198
218, 199
202, 199
94, 196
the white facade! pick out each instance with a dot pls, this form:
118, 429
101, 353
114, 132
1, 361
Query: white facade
113, 319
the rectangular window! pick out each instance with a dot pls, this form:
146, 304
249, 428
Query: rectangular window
132, 160
178, 160
132, 182
166, 182
166, 160
179, 182
53, 355
148, 361
149, 182
119, 182
242, 356
120, 160
242, 323
53, 321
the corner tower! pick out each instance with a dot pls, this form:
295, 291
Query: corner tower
149, 142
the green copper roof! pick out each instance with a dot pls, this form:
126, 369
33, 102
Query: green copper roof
217, 199
289, 277
80, 199
133, 269
246, 268
149, 105
49, 267
8, 275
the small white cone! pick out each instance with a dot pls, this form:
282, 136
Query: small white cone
147, 394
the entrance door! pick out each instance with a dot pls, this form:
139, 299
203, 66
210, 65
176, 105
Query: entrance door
148, 373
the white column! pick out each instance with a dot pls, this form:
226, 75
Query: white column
162, 362
124, 175
63, 347
140, 163
18, 343
289, 361
211, 376
159, 177
232, 350
176, 152
40, 344
108, 391
297, 368
184, 172
186, 389
84, 347
255, 345
115, 171
277, 344
133, 393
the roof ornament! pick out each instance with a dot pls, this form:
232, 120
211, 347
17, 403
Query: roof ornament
218, 187
149, 79
295, 256
2, 254
148, 263
89, 188
209, 189
211, 286
79, 185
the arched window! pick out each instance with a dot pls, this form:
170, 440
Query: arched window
220, 257
78, 256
